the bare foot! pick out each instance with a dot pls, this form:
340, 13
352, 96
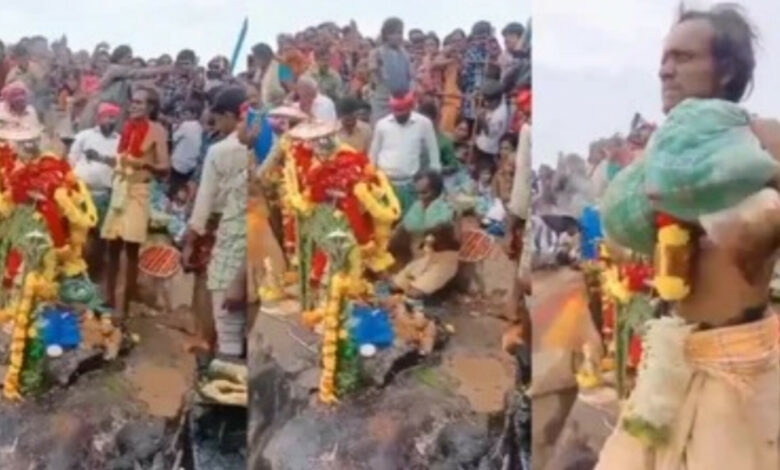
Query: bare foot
198, 345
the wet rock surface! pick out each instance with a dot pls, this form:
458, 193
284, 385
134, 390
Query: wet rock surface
408, 425
218, 436
100, 415
414, 412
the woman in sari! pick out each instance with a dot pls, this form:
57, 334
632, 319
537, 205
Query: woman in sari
449, 64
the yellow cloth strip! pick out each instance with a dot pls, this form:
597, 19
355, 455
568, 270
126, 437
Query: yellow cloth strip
736, 354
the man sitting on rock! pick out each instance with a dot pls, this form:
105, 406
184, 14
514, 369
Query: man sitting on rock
429, 229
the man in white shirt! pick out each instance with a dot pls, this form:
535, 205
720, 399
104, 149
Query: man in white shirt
314, 103
400, 144
492, 122
223, 189
187, 141
92, 157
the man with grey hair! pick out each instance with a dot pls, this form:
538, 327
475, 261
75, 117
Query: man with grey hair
314, 103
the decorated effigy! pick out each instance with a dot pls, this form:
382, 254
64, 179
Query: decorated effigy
338, 211
47, 302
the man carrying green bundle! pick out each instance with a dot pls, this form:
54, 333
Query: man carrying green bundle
726, 413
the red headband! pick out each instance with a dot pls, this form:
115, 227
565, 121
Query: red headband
402, 104
14, 91
108, 110
524, 101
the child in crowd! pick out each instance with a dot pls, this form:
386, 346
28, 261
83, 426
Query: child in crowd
484, 190
458, 183
178, 210
492, 122
462, 133
504, 177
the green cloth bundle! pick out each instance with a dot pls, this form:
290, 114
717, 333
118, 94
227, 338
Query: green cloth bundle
703, 159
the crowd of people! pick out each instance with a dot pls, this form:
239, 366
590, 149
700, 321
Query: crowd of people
447, 121
164, 144
562, 195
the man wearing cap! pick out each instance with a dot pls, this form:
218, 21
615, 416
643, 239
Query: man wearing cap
402, 142
93, 157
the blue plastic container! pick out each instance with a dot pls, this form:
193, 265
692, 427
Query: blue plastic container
371, 325
59, 326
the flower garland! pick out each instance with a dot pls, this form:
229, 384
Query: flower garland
338, 213
45, 216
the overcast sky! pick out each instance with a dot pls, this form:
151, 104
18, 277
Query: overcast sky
596, 63
211, 26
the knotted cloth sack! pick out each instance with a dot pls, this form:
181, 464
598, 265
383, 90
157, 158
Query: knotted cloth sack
703, 159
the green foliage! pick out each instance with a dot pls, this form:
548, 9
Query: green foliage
33, 376
631, 319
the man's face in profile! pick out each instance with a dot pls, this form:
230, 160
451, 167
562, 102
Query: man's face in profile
687, 65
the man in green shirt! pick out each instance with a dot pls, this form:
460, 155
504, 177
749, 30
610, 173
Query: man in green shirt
449, 162
430, 227
328, 80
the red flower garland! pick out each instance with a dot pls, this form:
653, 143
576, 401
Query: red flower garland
133, 136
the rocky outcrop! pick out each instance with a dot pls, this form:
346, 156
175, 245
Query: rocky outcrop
410, 415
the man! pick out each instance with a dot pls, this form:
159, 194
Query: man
492, 122
25, 70
15, 107
429, 222
390, 68
5, 65
314, 103
223, 189
187, 143
353, 132
402, 142
274, 84
142, 156
721, 424
449, 161
93, 157
177, 89
328, 80
518, 232
217, 73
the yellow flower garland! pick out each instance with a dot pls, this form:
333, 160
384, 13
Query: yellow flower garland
338, 285
384, 216
35, 286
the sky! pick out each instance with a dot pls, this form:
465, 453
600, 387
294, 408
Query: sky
210, 27
596, 63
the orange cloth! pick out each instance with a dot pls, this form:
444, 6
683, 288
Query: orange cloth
451, 99
297, 61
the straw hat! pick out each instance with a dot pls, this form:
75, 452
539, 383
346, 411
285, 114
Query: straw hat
288, 112
313, 130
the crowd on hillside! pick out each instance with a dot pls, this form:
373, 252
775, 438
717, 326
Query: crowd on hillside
561, 195
163, 142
